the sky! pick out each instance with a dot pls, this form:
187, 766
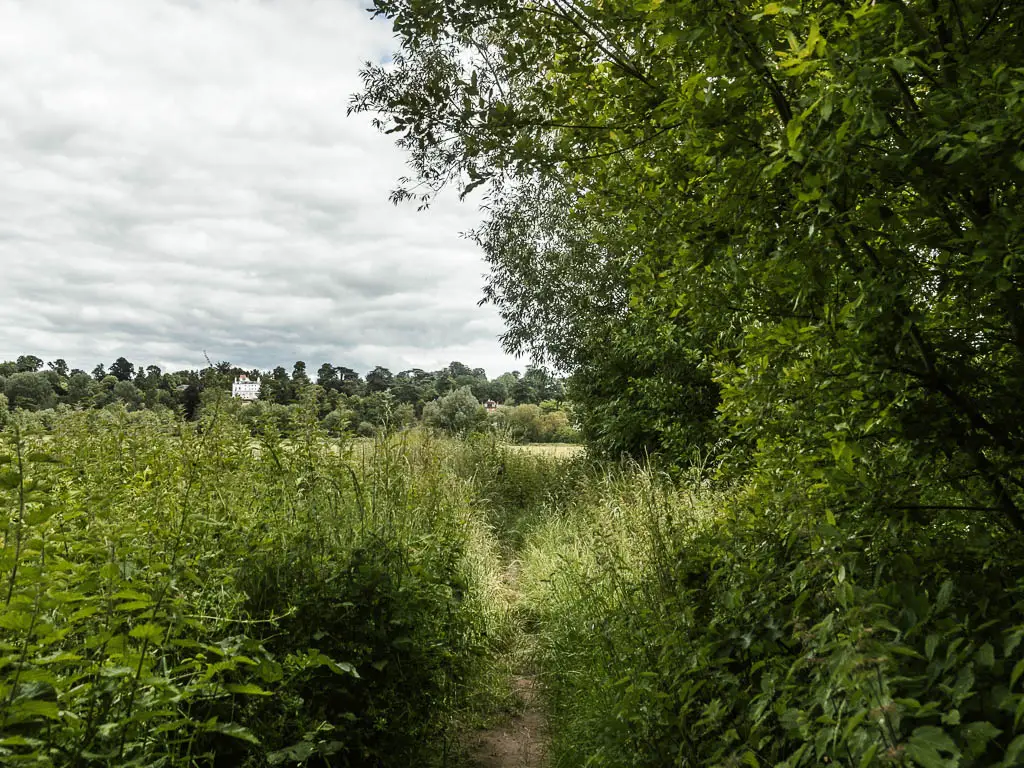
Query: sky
179, 177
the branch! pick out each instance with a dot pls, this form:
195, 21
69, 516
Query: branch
989, 21
569, 15
753, 55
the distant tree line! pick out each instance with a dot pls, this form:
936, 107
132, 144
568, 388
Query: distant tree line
450, 399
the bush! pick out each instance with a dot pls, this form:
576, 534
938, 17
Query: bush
30, 391
337, 422
727, 633
536, 424
180, 596
458, 412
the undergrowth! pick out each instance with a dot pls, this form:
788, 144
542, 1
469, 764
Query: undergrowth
207, 594
713, 630
182, 594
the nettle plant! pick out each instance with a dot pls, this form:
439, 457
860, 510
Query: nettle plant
111, 643
181, 593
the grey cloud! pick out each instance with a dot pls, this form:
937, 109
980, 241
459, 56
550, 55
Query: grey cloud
181, 177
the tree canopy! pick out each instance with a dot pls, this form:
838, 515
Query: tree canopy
826, 197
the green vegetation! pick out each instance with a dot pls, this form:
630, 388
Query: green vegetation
179, 593
182, 593
449, 400
777, 249
683, 627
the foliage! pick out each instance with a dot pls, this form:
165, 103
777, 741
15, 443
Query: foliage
178, 593
830, 195
516, 489
645, 389
29, 390
458, 412
683, 630
534, 424
383, 401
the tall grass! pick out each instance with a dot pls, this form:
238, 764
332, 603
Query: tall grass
711, 629
188, 594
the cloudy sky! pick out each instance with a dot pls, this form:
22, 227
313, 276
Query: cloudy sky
180, 175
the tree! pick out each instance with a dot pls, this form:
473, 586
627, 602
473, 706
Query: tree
29, 364
153, 377
337, 422
299, 376
122, 370
831, 196
646, 390
59, 366
351, 382
99, 372
458, 412
81, 388
29, 390
536, 384
379, 379
126, 392
327, 377
277, 387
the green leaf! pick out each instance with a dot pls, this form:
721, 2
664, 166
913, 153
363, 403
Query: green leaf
1014, 752
986, 655
148, 631
247, 689
945, 593
793, 130
33, 708
299, 753
40, 515
977, 735
18, 621
925, 745
42, 458
234, 730
1018, 670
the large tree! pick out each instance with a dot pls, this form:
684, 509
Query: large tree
831, 194
122, 370
29, 390
29, 364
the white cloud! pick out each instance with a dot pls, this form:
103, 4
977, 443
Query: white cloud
182, 176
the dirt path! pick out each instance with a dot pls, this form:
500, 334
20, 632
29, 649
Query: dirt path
519, 741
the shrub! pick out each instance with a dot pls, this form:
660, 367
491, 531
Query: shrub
337, 422
458, 412
30, 391
536, 424
177, 594
731, 633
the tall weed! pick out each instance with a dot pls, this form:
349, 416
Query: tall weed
716, 630
179, 593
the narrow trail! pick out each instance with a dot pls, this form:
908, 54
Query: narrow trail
519, 741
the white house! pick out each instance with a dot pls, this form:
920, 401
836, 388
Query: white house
246, 388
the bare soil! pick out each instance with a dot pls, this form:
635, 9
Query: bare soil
519, 741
